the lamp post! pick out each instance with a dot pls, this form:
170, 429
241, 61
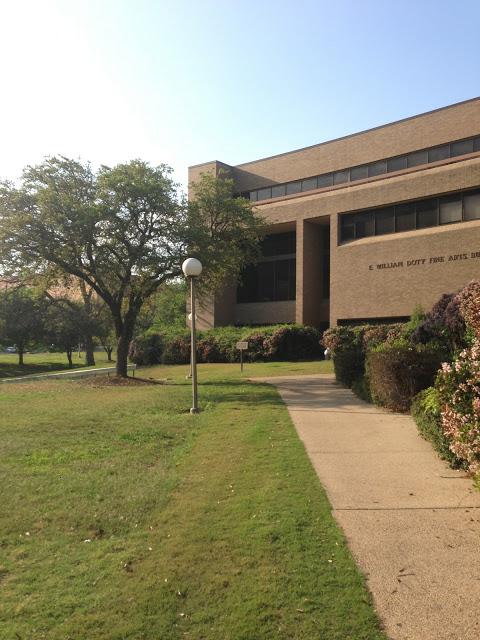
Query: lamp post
192, 268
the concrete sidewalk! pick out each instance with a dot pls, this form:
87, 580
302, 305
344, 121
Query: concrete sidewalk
412, 523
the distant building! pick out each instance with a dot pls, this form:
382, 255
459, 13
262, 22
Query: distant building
361, 228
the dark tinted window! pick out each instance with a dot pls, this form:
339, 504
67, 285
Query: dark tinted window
416, 158
377, 168
279, 244
357, 173
476, 144
294, 187
339, 177
405, 217
427, 213
254, 195
264, 194
364, 224
459, 148
348, 229
309, 184
282, 279
471, 206
325, 180
247, 291
266, 281
439, 153
451, 209
278, 190
397, 164
384, 221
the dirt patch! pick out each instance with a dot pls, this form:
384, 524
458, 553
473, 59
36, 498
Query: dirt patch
117, 381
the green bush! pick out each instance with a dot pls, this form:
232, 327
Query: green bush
361, 388
146, 349
293, 343
177, 350
275, 342
346, 347
427, 415
397, 371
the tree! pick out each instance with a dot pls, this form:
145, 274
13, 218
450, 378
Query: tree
62, 326
124, 231
22, 315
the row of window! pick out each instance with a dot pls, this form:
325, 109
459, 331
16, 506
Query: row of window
458, 207
268, 282
425, 156
273, 278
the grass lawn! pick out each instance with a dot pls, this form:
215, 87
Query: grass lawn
45, 362
124, 517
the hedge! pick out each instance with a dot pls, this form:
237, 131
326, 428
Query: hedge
427, 415
398, 371
276, 342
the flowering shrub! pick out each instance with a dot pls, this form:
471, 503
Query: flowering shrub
469, 300
458, 386
444, 325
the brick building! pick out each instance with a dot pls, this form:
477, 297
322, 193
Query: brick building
364, 227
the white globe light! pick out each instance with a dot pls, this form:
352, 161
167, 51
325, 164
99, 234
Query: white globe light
192, 267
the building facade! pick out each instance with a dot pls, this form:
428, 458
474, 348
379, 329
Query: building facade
362, 228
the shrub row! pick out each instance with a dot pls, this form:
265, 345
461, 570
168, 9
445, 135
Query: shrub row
430, 365
277, 342
380, 364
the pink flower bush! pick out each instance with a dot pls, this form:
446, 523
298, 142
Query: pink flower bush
458, 385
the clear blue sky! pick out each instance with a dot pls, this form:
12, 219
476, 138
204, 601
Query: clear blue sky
187, 81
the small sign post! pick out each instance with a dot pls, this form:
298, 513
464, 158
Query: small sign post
242, 346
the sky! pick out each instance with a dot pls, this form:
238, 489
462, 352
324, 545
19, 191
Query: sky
188, 81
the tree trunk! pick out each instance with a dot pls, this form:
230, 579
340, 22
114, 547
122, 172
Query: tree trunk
20, 358
109, 353
69, 358
122, 354
89, 353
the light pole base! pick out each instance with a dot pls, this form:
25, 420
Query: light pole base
193, 410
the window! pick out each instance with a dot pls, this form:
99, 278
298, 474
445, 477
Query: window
347, 227
364, 224
309, 184
294, 187
384, 221
460, 148
265, 194
339, 177
471, 204
439, 153
397, 164
404, 217
377, 168
278, 190
451, 209
279, 244
416, 158
358, 173
266, 281
427, 213
325, 180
